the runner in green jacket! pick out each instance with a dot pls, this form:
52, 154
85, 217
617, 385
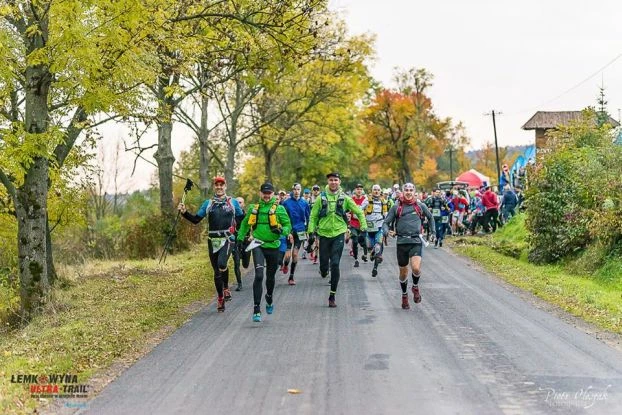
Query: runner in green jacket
328, 219
266, 221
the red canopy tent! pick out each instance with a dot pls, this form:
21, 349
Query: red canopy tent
473, 178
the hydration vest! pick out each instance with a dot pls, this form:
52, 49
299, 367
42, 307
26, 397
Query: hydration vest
370, 206
221, 216
275, 226
339, 210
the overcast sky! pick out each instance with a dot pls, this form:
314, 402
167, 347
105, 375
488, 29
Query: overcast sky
517, 57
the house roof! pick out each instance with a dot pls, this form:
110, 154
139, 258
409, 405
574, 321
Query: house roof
551, 119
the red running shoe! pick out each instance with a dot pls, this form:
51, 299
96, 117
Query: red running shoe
405, 305
285, 269
220, 306
227, 294
416, 294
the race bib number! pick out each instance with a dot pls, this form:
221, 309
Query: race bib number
302, 236
456, 214
218, 243
436, 212
445, 219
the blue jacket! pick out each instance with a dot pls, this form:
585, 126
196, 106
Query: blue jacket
298, 211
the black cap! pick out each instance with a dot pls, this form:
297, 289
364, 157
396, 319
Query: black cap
316, 187
358, 185
267, 187
333, 174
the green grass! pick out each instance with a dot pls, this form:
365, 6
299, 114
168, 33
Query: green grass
594, 296
107, 311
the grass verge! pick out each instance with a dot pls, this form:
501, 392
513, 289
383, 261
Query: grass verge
106, 311
595, 297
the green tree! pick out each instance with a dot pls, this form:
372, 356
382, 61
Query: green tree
63, 63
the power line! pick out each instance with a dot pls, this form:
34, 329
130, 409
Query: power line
600, 70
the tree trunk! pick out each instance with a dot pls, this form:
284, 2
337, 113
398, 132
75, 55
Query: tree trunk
30, 207
165, 159
231, 150
31, 196
49, 257
267, 155
204, 184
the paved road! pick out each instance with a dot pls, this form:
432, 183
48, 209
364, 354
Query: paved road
471, 347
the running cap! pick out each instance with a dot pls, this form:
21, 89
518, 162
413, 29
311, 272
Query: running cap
408, 186
376, 187
358, 186
296, 184
267, 188
220, 179
316, 187
307, 190
333, 174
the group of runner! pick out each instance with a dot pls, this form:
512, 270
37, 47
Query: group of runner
321, 221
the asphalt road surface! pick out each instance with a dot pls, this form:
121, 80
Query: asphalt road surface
470, 347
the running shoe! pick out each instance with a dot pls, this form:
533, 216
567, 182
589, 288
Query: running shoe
285, 268
291, 281
220, 305
269, 308
257, 317
364, 258
405, 305
374, 272
331, 301
227, 294
416, 294
356, 263
239, 287
379, 259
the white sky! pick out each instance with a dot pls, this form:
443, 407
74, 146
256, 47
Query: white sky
516, 57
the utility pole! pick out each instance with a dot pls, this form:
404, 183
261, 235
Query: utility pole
451, 162
494, 127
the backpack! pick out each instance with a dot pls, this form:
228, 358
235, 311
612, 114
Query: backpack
400, 209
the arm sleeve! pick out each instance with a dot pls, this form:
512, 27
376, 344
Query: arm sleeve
244, 226
192, 218
428, 214
313, 218
388, 221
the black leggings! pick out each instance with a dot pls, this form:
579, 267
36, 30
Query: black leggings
358, 238
264, 258
219, 260
330, 254
243, 257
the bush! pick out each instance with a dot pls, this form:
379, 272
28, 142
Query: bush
574, 198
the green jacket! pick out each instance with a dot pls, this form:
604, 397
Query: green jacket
262, 228
332, 225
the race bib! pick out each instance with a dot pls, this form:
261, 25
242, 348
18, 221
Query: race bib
445, 219
302, 236
456, 214
436, 212
218, 243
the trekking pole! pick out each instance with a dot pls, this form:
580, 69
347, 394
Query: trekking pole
169, 239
